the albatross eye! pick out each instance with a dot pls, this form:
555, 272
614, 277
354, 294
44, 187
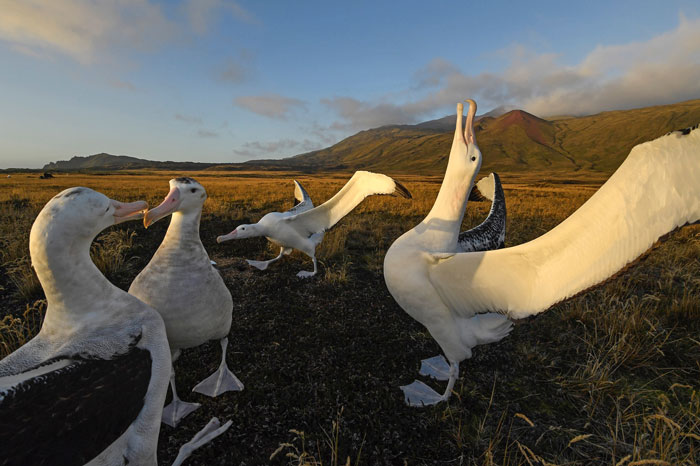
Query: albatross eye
473, 158
193, 190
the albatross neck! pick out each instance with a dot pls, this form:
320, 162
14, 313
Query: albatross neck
183, 229
445, 218
70, 279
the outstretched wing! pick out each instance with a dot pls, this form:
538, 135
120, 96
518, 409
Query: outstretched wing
302, 200
654, 191
361, 185
69, 409
491, 233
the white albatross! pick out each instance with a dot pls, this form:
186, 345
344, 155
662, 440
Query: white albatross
466, 299
89, 387
303, 226
187, 291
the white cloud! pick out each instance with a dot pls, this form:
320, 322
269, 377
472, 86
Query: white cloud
270, 105
201, 13
91, 31
663, 69
119, 84
275, 149
189, 119
202, 133
81, 28
237, 70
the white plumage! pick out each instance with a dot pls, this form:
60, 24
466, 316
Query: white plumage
303, 226
188, 292
91, 329
463, 298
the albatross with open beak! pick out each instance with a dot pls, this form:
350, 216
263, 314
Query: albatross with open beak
466, 299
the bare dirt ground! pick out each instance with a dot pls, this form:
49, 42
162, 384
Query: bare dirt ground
609, 377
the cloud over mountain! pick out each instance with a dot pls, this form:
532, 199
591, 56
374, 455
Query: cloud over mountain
663, 69
270, 105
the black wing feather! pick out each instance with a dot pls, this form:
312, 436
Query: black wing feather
491, 233
69, 416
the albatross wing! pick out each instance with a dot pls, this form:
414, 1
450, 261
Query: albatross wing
302, 199
69, 409
491, 233
653, 192
361, 185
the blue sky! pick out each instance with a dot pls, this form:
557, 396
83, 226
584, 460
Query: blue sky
224, 81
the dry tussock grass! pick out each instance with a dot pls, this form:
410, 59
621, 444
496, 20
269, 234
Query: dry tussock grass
630, 348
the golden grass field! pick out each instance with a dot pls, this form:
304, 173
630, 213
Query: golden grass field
611, 376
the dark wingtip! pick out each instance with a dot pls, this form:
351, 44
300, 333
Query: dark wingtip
685, 131
402, 191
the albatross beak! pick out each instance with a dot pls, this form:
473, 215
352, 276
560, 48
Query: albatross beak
124, 211
469, 127
167, 207
222, 238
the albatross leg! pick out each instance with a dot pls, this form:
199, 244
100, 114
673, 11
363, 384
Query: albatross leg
177, 409
212, 430
419, 394
221, 381
262, 265
306, 274
310, 250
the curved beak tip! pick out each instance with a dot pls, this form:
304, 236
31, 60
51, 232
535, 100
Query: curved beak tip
129, 211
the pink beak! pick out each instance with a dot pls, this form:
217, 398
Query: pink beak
222, 238
167, 207
125, 211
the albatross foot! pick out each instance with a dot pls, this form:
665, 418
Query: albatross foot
260, 265
435, 367
419, 394
221, 381
305, 274
176, 411
212, 430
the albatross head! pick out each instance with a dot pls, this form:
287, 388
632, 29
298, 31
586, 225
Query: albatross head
465, 155
82, 213
186, 195
241, 231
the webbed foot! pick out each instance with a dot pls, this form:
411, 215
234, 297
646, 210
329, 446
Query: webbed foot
212, 430
419, 394
260, 265
435, 367
221, 381
176, 411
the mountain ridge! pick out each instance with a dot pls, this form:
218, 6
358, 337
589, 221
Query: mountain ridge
513, 141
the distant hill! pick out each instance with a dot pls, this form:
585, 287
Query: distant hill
119, 162
513, 141
510, 141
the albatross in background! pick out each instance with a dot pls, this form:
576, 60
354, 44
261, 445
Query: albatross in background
188, 292
304, 225
90, 386
466, 298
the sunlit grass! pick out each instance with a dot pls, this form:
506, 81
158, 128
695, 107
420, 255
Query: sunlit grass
622, 359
